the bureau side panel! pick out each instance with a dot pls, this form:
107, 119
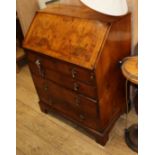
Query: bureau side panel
110, 81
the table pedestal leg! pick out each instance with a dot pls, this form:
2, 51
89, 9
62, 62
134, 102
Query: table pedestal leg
131, 137
131, 133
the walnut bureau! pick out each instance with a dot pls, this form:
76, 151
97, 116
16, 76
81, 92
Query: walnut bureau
73, 55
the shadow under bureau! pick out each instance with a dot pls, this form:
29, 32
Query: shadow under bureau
73, 55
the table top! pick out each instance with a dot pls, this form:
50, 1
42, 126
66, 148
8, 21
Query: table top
130, 69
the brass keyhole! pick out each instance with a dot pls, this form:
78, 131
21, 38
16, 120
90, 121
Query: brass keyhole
92, 77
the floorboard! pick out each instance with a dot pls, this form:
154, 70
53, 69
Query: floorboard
49, 134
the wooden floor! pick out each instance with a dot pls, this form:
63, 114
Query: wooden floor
48, 134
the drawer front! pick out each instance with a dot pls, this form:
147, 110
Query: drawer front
71, 70
48, 90
63, 109
66, 81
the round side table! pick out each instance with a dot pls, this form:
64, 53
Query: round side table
130, 71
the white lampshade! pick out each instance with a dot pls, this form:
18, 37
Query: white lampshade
109, 7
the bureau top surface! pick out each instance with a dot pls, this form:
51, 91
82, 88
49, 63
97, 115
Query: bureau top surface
71, 39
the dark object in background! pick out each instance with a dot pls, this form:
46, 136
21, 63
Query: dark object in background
19, 33
136, 49
20, 54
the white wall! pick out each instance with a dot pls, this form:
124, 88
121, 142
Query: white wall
133, 6
26, 10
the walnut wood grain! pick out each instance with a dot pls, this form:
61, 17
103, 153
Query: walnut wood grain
70, 83
68, 69
82, 12
70, 39
49, 90
110, 81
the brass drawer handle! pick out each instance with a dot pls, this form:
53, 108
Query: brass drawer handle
82, 117
76, 86
74, 73
38, 63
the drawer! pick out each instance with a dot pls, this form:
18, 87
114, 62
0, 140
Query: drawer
73, 71
66, 81
48, 90
63, 109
